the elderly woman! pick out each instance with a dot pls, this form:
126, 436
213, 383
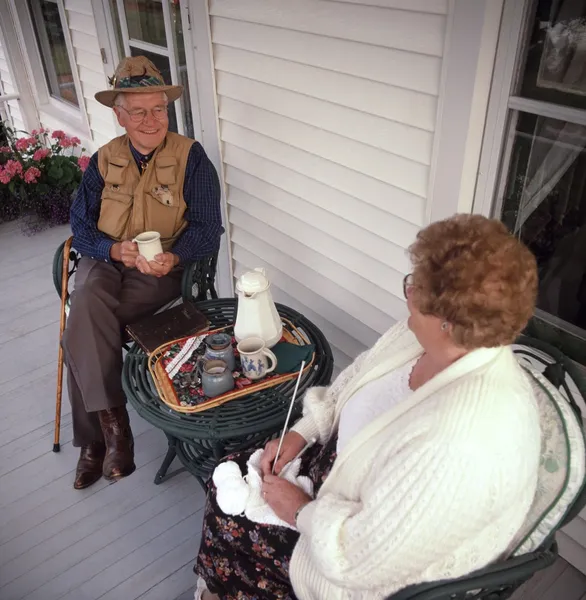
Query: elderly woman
428, 448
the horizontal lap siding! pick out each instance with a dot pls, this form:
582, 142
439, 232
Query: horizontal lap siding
327, 116
82, 27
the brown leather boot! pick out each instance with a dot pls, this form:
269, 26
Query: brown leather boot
89, 465
119, 460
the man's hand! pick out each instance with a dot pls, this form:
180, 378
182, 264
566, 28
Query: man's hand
292, 444
283, 497
125, 252
159, 267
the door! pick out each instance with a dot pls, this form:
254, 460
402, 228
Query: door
161, 31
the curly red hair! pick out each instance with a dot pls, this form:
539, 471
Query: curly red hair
470, 271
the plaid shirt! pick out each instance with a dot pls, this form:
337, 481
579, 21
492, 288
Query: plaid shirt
201, 192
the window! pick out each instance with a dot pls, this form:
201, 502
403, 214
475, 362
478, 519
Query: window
50, 37
544, 167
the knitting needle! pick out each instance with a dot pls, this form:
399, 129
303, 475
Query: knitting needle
288, 416
308, 445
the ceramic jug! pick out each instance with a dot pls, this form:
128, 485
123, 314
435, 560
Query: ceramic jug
219, 346
257, 314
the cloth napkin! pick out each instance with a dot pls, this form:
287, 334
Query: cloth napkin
237, 495
289, 356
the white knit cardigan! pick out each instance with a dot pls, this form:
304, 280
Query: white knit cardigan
434, 488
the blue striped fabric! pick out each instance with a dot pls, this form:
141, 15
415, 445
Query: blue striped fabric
201, 192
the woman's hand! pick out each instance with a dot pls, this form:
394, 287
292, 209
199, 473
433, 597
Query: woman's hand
284, 497
292, 444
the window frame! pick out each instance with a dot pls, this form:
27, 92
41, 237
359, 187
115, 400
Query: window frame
504, 107
75, 117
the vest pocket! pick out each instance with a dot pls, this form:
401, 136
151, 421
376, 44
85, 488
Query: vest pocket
163, 211
115, 212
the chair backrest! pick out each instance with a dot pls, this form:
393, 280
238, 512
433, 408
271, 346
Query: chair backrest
560, 389
562, 469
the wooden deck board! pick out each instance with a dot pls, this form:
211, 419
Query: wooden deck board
126, 541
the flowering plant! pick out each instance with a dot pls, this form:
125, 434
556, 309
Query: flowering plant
38, 174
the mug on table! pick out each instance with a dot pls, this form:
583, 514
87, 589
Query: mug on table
255, 357
216, 377
149, 244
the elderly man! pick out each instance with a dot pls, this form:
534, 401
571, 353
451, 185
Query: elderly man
147, 180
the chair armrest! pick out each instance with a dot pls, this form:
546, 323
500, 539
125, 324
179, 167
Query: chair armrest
58, 263
198, 281
511, 573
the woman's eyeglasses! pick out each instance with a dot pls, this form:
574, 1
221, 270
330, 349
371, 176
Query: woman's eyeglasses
407, 283
139, 115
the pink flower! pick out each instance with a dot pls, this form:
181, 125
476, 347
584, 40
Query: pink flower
58, 134
41, 153
32, 141
13, 167
4, 149
5, 177
83, 162
22, 144
75, 141
36, 132
65, 142
31, 174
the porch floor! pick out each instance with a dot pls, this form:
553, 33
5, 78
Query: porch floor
125, 541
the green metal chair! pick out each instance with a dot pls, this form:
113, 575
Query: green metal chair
197, 284
500, 580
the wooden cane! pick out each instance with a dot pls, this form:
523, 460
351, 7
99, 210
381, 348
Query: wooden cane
64, 284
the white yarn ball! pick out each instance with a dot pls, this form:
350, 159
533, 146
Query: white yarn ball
231, 490
226, 471
232, 496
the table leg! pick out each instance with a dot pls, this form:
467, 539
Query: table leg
169, 457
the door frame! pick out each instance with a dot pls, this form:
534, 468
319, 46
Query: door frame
210, 126
494, 149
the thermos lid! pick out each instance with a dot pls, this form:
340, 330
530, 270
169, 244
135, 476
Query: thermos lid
253, 282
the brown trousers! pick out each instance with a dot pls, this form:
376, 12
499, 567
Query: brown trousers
106, 297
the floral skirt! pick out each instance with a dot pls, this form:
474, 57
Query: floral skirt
243, 560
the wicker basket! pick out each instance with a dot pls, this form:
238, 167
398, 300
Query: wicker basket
167, 391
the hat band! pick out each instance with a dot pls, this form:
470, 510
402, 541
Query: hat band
136, 81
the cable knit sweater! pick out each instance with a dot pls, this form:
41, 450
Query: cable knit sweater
434, 488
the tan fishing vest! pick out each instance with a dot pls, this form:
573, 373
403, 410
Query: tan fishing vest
133, 203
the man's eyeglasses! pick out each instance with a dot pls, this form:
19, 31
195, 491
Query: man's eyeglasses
407, 283
138, 115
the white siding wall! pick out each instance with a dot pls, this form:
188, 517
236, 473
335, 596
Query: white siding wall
327, 118
7, 87
82, 27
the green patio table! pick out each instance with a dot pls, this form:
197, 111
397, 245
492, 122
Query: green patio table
200, 440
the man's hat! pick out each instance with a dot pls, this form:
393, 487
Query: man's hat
138, 75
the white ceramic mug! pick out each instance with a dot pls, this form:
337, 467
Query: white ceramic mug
149, 244
254, 357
